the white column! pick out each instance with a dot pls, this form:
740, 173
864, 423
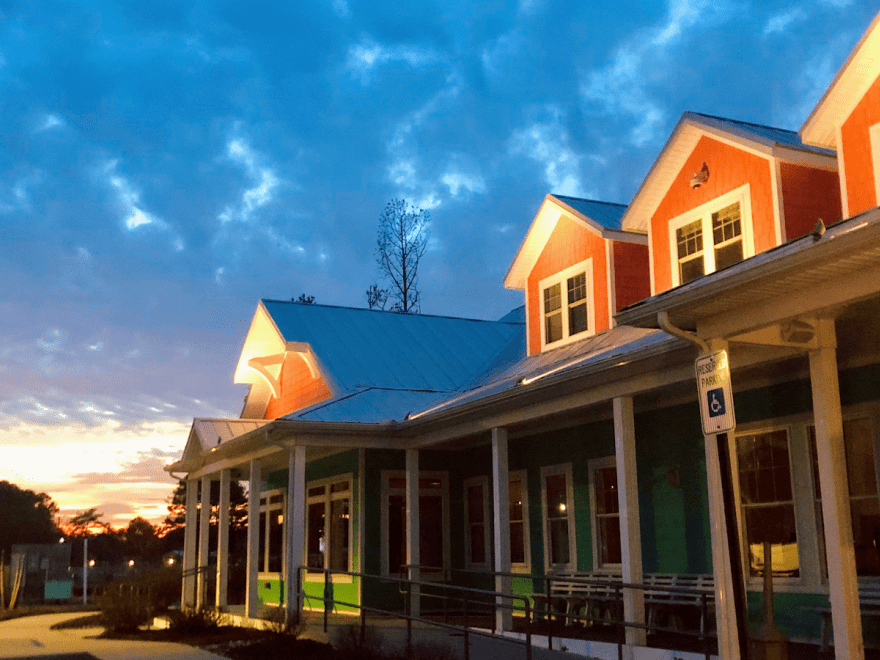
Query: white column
725, 613
501, 511
295, 525
413, 554
187, 597
252, 600
842, 585
222, 597
204, 537
630, 529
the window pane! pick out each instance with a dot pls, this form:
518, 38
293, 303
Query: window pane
431, 531
552, 298
276, 541
691, 270
860, 469
262, 545
606, 490
396, 533
397, 482
475, 504
478, 544
577, 288
776, 525
339, 521
577, 319
514, 499
553, 328
559, 553
517, 543
316, 491
866, 535
728, 255
339, 487
726, 224
609, 540
316, 538
689, 239
556, 496
429, 483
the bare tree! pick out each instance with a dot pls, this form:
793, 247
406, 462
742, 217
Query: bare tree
303, 298
377, 298
402, 240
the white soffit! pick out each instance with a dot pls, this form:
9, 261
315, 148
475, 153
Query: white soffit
263, 339
849, 86
536, 238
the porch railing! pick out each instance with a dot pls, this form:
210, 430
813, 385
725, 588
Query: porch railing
467, 597
704, 636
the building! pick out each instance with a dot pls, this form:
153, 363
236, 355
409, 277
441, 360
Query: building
568, 437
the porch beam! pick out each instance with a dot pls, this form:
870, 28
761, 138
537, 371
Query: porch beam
252, 599
187, 597
295, 524
628, 506
204, 538
221, 598
501, 518
842, 584
413, 553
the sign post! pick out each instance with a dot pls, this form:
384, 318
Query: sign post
717, 414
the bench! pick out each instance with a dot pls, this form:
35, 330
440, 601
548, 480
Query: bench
591, 596
661, 598
869, 603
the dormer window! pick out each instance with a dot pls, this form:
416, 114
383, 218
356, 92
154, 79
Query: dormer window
566, 305
711, 237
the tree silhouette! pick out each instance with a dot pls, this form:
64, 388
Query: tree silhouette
26, 517
400, 245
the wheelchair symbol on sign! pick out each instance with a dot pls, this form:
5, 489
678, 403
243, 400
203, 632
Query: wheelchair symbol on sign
715, 399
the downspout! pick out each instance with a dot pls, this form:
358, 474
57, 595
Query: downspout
668, 328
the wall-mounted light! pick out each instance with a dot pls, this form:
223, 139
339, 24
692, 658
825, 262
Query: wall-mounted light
699, 178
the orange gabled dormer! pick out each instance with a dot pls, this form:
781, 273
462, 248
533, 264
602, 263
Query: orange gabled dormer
847, 119
284, 376
723, 190
577, 268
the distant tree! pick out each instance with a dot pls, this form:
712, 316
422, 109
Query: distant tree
377, 298
26, 517
142, 541
400, 245
303, 298
86, 523
171, 531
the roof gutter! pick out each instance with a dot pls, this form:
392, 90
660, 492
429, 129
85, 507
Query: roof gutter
668, 328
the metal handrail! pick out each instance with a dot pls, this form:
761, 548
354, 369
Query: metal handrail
464, 630
703, 635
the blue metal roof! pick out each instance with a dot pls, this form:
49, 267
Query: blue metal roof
371, 406
607, 214
762, 133
362, 348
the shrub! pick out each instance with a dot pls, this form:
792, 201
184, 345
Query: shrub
348, 640
277, 620
194, 621
125, 608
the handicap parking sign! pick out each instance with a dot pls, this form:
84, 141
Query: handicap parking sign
715, 402
715, 393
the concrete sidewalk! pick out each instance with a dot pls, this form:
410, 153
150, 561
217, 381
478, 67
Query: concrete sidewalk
30, 637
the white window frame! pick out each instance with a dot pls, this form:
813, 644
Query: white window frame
561, 278
326, 498
704, 213
593, 466
526, 566
387, 492
482, 481
549, 471
874, 133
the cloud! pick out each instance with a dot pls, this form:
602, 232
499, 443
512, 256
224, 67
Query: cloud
129, 198
264, 180
546, 142
367, 55
781, 22
622, 87
50, 121
341, 8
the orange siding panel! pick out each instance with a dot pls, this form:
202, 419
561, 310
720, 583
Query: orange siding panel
298, 389
807, 195
569, 244
729, 168
857, 161
632, 277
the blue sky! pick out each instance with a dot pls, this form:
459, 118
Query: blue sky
165, 165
